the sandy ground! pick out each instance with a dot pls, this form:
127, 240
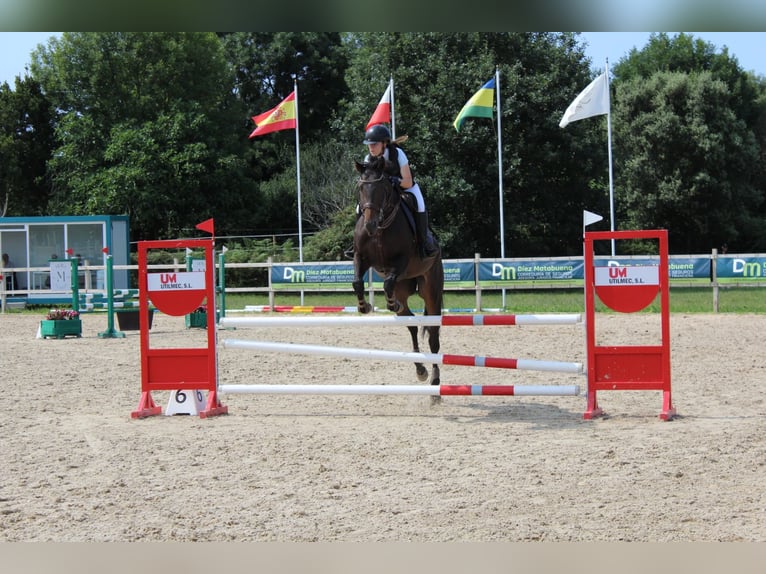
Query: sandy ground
77, 467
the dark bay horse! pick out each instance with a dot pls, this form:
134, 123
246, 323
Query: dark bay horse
385, 240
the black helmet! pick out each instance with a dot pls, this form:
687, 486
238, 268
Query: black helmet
377, 133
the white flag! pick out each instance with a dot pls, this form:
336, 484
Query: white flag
589, 217
592, 101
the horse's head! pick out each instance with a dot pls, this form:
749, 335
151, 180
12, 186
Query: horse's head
377, 198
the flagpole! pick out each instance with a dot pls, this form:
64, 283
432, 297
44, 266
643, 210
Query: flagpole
500, 170
609, 144
298, 171
393, 115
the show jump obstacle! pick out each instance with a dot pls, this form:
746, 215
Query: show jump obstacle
177, 294
188, 371
627, 289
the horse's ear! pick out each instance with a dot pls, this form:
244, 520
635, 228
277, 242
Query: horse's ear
359, 166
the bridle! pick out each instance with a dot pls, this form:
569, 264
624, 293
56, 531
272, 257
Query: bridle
383, 222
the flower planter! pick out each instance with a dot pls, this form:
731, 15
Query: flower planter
197, 320
130, 320
60, 328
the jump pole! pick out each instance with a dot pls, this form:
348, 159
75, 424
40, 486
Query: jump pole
407, 357
420, 320
432, 390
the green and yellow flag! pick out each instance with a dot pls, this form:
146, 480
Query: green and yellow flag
480, 105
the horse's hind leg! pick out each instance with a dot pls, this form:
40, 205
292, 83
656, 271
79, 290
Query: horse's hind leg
401, 292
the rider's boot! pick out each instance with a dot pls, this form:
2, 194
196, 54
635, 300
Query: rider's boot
426, 248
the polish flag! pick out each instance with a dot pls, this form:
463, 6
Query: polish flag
382, 114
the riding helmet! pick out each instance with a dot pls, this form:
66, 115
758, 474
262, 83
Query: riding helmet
377, 133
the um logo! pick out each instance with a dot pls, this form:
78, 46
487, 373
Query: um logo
168, 278
294, 276
617, 272
504, 273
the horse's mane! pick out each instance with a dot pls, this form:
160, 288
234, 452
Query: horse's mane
380, 165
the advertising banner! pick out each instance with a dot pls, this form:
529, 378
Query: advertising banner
500, 273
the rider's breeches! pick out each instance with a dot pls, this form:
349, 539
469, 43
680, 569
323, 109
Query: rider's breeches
415, 190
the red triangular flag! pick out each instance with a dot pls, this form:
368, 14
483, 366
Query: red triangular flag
105, 250
207, 226
382, 114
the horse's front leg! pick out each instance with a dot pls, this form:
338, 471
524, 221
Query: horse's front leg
389, 284
360, 269
434, 345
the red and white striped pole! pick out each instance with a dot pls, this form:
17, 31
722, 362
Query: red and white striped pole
433, 390
406, 357
419, 320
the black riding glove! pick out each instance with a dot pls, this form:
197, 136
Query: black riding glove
395, 181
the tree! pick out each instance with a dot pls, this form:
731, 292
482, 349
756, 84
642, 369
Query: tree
549, 175
144, 128
689, 127
689, 161
26, 143
267, 66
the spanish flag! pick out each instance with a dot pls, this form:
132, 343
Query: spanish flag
480, 105
279, 118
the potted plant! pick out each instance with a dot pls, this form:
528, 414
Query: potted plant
197, 318
129, 319
60, 323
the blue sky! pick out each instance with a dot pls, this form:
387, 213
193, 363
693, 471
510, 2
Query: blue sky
748, 47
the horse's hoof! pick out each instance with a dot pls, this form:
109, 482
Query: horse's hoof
421, 373
366, 308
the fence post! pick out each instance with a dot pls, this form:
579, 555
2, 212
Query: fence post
476, 262
714, 278
271, 286
222, 282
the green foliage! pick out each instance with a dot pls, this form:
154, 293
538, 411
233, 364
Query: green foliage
546, 171
26, 141
143, 129
332, 243
155, 126
692, 157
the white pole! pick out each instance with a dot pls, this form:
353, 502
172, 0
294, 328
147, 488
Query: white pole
400, 356
609, 144
298, 171
378, 320
500, 169
393, 114
433, 390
